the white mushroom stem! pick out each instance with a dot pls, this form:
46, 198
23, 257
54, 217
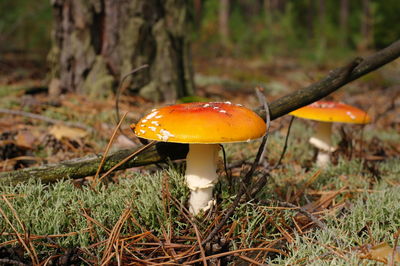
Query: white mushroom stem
323, 159
201, 175
322, 140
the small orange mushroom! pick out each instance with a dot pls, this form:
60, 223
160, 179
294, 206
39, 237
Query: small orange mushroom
326, 113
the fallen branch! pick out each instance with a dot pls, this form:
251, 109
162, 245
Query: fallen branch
334, 80
303, 211
87, 166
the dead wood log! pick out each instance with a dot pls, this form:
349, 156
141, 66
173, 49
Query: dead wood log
87, 166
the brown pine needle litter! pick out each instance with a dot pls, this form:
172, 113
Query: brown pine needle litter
289, 212
257, 232
23, 238
322, 218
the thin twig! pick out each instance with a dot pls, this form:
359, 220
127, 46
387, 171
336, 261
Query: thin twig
112, 240
260, 184
396, 240
95, 181
202, 253
29, 249
303, 211
22, 225
247, 178
250, 260
119, 90
224, 254
190, 219
261, 149
225, 164
285, 145
46, 119
145, 147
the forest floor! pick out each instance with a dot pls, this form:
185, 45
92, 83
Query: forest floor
349, 212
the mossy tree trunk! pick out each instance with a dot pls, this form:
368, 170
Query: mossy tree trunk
96, 42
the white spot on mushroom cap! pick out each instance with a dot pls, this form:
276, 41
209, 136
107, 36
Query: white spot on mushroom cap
323, 105
152, 129
151, 115
155, 123
216, 107
166, 133
144, 120
142, 131
352, 116
206, 105
159, 116
228, 102
222, 111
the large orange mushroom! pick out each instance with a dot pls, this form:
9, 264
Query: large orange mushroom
203, 126
326, 113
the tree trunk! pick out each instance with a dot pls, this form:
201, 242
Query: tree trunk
344, 22
366, 26
310, 19
198, 10
224, 21
322, 13
97, 42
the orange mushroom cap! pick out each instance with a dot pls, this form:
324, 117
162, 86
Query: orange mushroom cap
327, 111
213, 122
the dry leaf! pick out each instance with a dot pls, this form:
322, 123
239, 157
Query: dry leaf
123, 142
383, 252
60, 131
318, 205
25, 139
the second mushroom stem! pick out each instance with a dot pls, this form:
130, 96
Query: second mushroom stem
322, 140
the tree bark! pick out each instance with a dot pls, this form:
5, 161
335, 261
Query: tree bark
87, 166
322, 11
198, 10
223, 15
344, 22
366, 26
310, 19
97, 42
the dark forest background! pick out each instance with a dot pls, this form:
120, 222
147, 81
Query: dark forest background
315, 30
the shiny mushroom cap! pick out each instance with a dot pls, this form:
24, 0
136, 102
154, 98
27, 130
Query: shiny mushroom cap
326, 111
213, 122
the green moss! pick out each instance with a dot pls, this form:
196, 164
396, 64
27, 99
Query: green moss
60, 208
379, 211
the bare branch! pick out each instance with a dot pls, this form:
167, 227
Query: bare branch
46, 119
334, 80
